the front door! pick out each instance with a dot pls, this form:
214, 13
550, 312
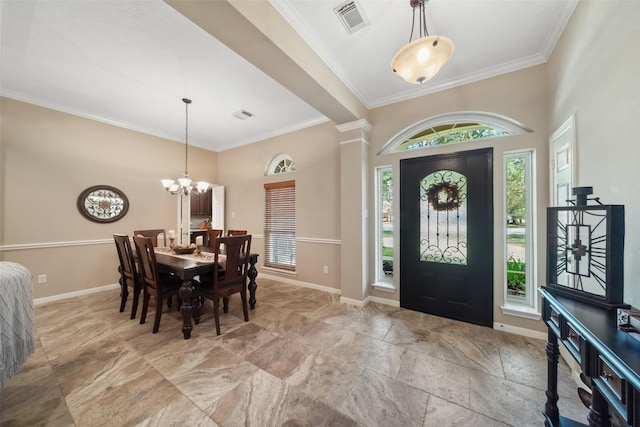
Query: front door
446, 235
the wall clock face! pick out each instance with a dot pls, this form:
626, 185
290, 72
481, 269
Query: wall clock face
585, 252
102, 203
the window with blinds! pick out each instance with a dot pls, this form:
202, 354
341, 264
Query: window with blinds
280, 225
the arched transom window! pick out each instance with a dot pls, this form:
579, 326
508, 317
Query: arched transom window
452, 128
282, 163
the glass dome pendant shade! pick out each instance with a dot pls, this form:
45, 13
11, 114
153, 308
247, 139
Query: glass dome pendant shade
185, 185
421, 59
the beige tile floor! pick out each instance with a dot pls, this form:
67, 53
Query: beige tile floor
303, 359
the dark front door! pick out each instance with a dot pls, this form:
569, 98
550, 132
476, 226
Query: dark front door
446, 235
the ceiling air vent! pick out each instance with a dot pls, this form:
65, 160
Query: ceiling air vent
242, 115
351, 16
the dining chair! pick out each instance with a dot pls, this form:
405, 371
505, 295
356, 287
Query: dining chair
229, 277
153, 235
160, 286
129, 277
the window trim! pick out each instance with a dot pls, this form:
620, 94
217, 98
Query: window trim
529, 307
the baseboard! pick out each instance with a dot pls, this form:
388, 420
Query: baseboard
59, 297
520, 331
355, 302
297, 282
385, 301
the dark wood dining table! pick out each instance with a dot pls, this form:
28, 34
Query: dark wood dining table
187, 268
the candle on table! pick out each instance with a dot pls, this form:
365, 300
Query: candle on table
172, 234
198, 240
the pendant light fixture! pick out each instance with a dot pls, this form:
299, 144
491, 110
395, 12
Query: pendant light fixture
185, 185
421, 59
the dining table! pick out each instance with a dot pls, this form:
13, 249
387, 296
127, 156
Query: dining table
189, 266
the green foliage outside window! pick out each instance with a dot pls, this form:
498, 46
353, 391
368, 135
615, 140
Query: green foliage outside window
516, 276
516, 190
449, 134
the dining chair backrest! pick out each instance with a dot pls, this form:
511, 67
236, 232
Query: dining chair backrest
125, 255
229, 277
153, 235
147, 261
128, 271
238, 233
212, 235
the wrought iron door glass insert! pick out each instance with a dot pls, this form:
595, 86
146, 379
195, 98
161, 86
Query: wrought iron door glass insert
443, 218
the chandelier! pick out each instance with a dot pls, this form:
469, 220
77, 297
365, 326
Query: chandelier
420, 60
185, 185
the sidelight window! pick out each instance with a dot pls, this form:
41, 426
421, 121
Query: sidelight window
519, 209
384, 228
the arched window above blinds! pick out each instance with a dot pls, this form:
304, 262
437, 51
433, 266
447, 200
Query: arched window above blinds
282, 163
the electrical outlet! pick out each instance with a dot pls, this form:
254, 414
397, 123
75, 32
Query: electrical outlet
42, 278
326, 269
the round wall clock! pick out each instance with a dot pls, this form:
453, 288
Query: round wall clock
102, 203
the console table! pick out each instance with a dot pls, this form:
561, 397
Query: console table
609, 356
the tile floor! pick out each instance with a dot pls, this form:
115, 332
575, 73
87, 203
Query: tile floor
303, 359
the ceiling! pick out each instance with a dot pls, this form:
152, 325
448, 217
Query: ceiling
129, 63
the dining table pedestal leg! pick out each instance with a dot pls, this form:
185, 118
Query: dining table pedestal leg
252, 273
186, 309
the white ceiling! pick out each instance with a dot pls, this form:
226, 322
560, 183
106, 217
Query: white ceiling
130, 63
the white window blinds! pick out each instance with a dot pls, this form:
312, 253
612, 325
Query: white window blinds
280, 225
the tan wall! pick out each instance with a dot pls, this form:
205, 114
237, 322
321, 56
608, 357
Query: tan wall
316, 154
519, 96
594, 74
47, 159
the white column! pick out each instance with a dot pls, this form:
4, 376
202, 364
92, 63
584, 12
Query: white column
354, 188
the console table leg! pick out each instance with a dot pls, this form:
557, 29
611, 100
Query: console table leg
551, 413
599, 411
